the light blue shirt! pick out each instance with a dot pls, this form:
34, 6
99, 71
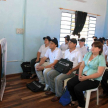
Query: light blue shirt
92, 66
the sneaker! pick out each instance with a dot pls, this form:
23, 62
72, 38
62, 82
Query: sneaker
46, 88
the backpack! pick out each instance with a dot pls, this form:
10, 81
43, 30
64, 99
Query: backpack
65, 98
26, 67
35, 86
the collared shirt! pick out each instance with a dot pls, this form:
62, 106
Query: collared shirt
75, 56
43, 50
106, 53
64, 47
83, 50
104, 49
55, 55
92, 66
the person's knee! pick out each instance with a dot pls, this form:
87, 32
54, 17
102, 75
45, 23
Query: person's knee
36, 65
45, 72
58, 79
70, 85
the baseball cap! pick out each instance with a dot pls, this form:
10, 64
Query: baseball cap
68, 37
94, 37
47, 37
55, 41
73, 40
103, 38
82, 39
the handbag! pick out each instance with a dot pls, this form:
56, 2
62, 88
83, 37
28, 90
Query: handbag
63, 66
65, 98
35, 86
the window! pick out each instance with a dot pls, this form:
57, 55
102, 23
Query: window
68, 25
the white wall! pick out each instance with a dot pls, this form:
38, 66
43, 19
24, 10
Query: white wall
11, 17
106, 23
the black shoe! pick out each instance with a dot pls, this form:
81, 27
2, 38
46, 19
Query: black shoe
32, 76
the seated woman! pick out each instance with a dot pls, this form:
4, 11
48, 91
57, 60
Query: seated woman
90, 74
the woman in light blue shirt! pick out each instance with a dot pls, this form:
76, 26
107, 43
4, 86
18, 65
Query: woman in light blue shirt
90, 74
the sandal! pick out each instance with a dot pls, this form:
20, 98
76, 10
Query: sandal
71, 104
32, 76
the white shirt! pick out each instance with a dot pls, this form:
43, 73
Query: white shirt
64, 46
104, 49
43, 50
83, 50
74, 56
55, 55
106, 53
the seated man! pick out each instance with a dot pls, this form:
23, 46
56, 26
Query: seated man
82, 48
54, 54
64, 46
55, 79
104, 46
40, 54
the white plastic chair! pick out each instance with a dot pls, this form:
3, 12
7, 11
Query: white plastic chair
65, 81
88, 93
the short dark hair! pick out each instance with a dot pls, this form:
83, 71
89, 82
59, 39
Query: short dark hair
99, 45
73, 40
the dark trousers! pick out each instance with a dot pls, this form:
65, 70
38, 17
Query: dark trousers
32, 63
77, 87
104, 83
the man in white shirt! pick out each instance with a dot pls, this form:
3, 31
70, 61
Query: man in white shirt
64, 46
81, 47
41, 52
104, 46
55, 79
54, 54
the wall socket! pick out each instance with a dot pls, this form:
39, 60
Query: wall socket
19, 31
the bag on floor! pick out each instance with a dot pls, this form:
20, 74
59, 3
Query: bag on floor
26, 67
63, 66
65, 98
35, 86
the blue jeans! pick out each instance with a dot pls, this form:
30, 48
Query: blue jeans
55, 81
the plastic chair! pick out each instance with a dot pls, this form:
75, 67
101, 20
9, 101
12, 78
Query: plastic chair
65, 81
88, 93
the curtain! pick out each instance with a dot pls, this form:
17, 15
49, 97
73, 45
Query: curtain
80, 18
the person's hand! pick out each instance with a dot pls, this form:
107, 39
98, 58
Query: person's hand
37, 60
70, 71
52, 66
39, 68
82, 78
79, 76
